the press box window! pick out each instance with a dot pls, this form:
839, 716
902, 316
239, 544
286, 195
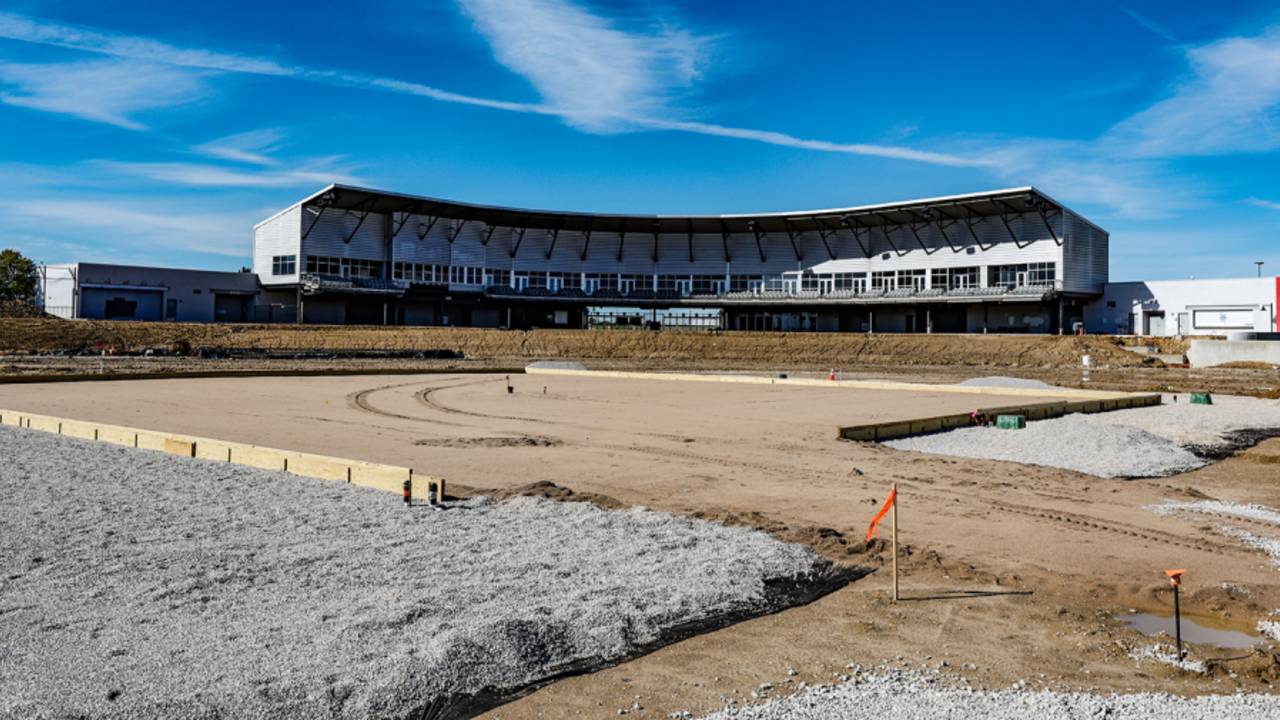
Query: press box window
284, 264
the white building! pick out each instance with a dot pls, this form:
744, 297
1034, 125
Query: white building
128, 292
1003, 261
1186, 307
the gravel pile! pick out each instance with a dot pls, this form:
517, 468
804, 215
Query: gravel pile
141, 585
891, 694
1142, 442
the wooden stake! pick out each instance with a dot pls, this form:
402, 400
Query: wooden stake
895, 542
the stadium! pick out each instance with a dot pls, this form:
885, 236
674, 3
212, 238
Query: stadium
1004, 261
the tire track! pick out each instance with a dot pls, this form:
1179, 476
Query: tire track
359, 400
1089, 523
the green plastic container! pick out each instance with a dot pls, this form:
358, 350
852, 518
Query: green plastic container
1011, 422
1201, 399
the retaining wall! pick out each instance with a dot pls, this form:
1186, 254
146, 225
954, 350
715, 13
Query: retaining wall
1207, 353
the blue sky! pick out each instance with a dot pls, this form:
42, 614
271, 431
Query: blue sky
153, 133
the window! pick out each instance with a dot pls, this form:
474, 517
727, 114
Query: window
497, 277
884, 280
913, 279
324, 266
745, 283
284, 264
708, 284
954, 278
369, 269
1043, 273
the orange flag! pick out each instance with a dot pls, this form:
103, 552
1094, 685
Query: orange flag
875, 521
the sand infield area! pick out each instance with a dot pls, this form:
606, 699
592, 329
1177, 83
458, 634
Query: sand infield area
1013, 573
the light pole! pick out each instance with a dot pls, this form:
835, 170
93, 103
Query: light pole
1259, 264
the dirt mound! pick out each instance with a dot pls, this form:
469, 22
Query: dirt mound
14, 309
24, 336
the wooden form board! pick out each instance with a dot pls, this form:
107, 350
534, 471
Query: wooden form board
388, 478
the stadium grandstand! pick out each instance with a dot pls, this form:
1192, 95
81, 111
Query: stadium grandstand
1003, 261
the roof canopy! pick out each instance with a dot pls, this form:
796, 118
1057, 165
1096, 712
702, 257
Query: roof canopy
955, 207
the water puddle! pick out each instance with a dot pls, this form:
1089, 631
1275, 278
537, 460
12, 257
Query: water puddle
1192, 631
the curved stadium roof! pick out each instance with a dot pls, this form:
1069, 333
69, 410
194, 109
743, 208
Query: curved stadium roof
967, 207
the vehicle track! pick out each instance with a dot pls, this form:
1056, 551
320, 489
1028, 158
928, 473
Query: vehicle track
359, 400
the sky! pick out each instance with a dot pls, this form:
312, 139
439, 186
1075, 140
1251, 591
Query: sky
159, 133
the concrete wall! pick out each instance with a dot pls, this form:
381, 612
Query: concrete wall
1185, 307
1207, 353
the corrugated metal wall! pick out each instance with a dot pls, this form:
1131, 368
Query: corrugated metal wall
280, 235
1084, 271
1086, 261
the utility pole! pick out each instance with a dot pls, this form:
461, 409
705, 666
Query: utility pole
1259, 263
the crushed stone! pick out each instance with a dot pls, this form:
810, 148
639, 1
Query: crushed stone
1250, 511
1268, 545
1141, 442
898, 694
138, 585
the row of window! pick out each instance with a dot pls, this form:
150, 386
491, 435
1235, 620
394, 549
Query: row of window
1044, 273
917, 278
344, 267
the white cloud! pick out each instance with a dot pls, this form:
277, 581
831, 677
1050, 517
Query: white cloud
1229, 104
1265, 204
251, 148
594, 74
668, 56
43, 32
783, 139
158, 225
1149, 24
112, 91
309, 173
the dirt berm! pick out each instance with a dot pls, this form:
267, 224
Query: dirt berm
39, 336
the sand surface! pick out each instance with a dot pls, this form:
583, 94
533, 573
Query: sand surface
1016, 570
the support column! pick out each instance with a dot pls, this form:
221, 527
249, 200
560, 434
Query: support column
1061, 317
928, 320
871, 321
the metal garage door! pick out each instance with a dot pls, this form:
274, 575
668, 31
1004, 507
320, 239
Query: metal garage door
121, 304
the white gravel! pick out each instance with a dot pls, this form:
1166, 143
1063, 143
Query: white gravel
1250, 511
1142, 442
1268, 545
894, 694
142, 585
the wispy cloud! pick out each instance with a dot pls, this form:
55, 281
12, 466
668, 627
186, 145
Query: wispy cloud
1149, 24
153, 226
43, 32
111, 91
594, 74
312, 172
254, 147
1229, 104
671, 62
1265, 204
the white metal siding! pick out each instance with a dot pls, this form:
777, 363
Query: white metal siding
1085, 255
281, 235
